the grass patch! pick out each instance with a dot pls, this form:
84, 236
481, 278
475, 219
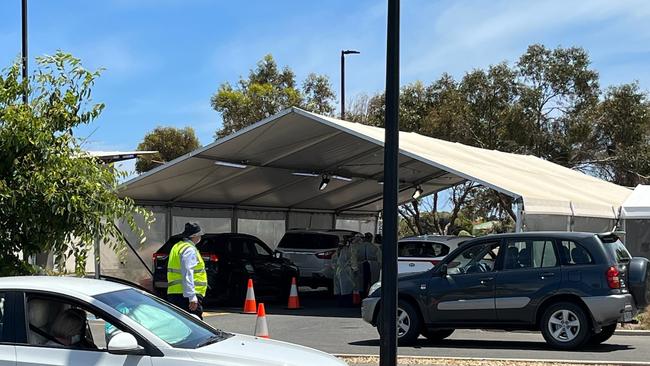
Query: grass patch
431, 361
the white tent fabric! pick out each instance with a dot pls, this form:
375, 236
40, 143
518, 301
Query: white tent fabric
637, 205
257, 167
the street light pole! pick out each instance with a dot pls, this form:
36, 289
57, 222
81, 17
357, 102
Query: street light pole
24, 51
388, 308
343, 53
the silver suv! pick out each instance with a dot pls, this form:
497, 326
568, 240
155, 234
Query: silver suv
311, 251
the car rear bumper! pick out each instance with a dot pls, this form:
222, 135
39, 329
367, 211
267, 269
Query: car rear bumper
612, 308
368, 306
314, 279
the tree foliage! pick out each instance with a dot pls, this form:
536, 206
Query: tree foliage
624, 134
170, 142
53, 196
548, 104
265, 92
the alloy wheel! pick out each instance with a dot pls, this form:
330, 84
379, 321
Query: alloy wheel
403, 322
564, 325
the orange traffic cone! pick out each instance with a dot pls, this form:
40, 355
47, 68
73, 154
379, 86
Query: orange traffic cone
249, 304
294, 302
261, 328
356, 298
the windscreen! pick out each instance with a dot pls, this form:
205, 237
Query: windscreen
177, 328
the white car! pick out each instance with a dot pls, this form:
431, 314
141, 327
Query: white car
121, 326
421, 253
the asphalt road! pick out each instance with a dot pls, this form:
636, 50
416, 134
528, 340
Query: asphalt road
322, 325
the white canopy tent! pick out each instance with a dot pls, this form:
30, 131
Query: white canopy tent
635, 214
265, 179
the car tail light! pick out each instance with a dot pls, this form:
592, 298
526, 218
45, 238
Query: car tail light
325, 255
613, 279
160, 256
210, 257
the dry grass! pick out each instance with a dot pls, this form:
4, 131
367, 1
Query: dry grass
644, 320
372, 361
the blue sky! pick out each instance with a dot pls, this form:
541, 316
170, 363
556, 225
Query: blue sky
165, 58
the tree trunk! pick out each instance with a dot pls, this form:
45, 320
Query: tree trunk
457, 205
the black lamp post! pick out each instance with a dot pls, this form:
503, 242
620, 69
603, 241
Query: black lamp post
24, 49
343, 53
388, 342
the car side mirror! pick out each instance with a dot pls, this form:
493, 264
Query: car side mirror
443, 270
124, 343
278, 254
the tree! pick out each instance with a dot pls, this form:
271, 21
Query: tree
624, 133
170, 143
51, 191
265, 92
558, 97
547, 105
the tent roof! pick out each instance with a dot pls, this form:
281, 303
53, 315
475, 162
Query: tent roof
269, 153
637, 205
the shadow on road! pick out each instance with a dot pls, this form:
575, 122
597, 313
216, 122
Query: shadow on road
313, 303
504, 345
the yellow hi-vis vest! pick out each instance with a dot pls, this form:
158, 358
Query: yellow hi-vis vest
174, 275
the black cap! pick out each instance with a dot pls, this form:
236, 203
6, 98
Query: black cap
192, 229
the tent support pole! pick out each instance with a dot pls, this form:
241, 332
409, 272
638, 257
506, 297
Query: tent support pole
234, 221
519, 213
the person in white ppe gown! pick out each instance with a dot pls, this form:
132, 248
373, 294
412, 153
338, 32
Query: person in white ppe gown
343, 274
367, 263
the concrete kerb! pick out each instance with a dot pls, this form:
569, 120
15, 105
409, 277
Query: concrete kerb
632, 332
618, 332
420, 359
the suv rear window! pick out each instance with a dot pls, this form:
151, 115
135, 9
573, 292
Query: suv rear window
617, 250
573, 253
308, 241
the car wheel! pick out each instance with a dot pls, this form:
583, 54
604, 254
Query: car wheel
436, 335
605, 334
236, 294
565, 326
408, 323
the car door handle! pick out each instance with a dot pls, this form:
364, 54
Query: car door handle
546, 274
486, 281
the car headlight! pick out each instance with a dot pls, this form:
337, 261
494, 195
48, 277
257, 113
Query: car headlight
376, 286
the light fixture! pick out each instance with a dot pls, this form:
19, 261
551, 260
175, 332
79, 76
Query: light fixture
230, 165
417, 193
303, 174
345, 179
324, 182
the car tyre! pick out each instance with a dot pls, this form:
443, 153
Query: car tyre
605, 334
565, 326
436, 335
409, 323
236, 293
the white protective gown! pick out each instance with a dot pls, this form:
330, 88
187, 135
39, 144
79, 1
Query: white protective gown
343, 272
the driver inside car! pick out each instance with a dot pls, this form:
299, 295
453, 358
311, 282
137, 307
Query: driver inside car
69, 330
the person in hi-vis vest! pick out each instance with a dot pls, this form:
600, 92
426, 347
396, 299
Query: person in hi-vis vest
187, 281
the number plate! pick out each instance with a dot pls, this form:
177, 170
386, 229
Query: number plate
627, 316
